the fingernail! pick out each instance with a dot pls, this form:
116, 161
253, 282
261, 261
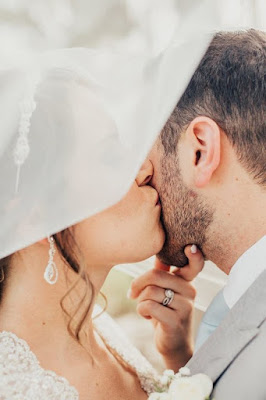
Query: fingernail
129, 293
193, 249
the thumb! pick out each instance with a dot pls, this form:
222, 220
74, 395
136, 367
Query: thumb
160, 265
195, 263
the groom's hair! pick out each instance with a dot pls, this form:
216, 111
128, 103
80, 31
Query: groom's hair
228, 87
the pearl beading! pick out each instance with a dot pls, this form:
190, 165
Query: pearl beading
115, 339
26, 107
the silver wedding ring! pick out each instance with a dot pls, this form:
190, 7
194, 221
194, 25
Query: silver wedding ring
169, 297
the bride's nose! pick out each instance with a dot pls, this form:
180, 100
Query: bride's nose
145, 173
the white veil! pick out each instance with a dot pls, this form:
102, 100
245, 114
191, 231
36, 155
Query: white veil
77, 123
90, 126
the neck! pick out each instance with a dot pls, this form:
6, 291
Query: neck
241, 224
31, 308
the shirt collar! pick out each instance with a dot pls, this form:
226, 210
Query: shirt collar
245, 271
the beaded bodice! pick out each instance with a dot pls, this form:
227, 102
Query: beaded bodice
23, 378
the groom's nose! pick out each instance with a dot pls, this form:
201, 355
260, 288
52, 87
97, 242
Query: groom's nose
145, 173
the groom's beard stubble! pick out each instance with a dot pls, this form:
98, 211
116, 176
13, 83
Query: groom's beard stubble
185, 217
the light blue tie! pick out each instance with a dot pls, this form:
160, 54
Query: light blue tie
214, 314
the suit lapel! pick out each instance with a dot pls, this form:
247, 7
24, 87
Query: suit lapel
238, 328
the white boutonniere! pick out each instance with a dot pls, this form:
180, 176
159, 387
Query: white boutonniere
182, 386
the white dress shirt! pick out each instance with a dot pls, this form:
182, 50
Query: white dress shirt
245, 271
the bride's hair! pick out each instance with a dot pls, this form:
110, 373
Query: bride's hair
72, 257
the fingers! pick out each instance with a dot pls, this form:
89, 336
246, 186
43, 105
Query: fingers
157, 294
195, 265
177, 281
151, 309
172, 323
163, 280
168, 317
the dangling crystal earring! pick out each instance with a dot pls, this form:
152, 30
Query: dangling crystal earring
51, 271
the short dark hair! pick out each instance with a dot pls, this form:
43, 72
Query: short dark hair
229, 87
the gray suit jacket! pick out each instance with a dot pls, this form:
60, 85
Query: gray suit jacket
234, 356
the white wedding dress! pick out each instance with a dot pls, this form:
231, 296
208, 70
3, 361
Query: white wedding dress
23, 378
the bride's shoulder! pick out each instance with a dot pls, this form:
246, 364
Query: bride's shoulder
119, 343
22, 377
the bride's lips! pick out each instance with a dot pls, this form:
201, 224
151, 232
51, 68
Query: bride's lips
155, 198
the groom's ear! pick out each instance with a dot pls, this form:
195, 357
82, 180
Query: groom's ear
204, 137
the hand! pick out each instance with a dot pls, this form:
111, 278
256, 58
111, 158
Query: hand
173, 324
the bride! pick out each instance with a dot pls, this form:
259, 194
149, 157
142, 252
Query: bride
46, 315
54, 342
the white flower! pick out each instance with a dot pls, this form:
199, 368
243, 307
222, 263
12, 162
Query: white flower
205, 382
167, 377
184, 371
169, 372
197, 387
182, 386
164, 380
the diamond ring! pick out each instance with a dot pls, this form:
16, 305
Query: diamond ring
169, 296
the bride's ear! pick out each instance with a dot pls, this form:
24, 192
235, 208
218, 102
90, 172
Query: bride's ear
204, 136
145, 173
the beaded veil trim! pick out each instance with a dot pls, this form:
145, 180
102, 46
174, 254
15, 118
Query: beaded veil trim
26, 107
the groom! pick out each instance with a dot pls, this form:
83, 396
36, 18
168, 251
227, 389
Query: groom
210, 172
